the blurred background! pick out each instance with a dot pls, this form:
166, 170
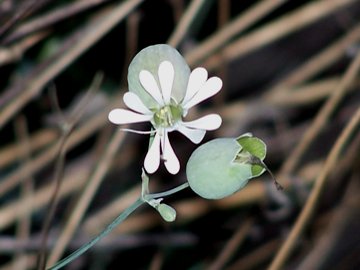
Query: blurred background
291, 77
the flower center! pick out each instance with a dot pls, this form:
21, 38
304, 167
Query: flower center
167, 116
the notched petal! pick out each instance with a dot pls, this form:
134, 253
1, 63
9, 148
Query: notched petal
149, 83
194, 135
121, 116
166, 79
210, 88
171, 162
152, 159
208, 122
133, 102
197, 79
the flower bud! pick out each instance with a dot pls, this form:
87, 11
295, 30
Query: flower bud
167, 212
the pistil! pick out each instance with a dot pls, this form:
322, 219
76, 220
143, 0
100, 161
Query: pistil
167, 116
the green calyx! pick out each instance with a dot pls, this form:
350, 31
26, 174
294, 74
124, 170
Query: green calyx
252, 152
223, 166
211, 172
167, 116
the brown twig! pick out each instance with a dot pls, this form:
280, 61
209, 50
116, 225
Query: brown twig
157, 261
75, 178
132, 39
50, 18
235, 241
85, 198
27, 188
289, 23
255, 258
311, 202
225, 34
16, 51
46, 156
91, 33
338, 222
315, 64
178, 9
321, 118
24, 9
223, 15
185, 22
67, 127
37, 142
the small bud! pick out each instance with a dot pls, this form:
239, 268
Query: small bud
167, 212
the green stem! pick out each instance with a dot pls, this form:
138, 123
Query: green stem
169, 192
105, 232
115, 223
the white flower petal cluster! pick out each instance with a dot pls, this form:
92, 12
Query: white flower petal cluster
168, 114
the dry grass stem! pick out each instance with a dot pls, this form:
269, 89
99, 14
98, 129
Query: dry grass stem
51, 18
256, 257
335, 225
132, 39
28, 205
289, 23
27, 188
185, 22
85, 198
322, 117
84, 39
48, 155
231, 30
309, 208
16, 51
231, 246
37, 141
67, 126
316, 64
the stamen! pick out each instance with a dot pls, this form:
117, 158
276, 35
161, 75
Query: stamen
167, 116
152, 132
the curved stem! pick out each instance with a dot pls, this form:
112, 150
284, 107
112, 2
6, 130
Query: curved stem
105, 232
115, 223
169, 192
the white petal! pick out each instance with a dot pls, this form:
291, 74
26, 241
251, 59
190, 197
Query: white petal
210, 88
197, 79
148, 81
171, 162
133, 102
152, 159
121, 116
194, 135
208, 122
166, 79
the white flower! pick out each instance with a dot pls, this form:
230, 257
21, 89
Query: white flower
168, 113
